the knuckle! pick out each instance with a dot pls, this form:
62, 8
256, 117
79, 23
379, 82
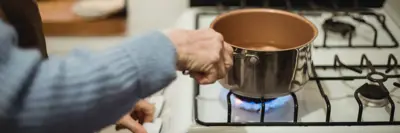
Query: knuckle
210, 30
204, 29
202, 32
215, 34
218, 44
230, 49
219, 36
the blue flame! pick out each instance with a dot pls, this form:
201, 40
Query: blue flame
273, 104
253, 106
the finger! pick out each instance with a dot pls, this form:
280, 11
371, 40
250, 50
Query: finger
209, 33
212, 32
219, 36
148, 115
139, 115
221, 69
137, 128
130, 124
228, 48
197, 76
227, 55
226, 60
145, 111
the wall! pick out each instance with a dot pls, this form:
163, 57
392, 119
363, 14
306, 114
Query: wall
154, 14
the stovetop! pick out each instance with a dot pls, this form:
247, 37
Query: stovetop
347, 68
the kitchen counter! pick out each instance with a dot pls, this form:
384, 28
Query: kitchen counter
142, 16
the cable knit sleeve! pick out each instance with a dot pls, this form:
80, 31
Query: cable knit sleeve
81, 92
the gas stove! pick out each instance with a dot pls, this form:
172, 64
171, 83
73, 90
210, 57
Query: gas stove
354, 84
343, 37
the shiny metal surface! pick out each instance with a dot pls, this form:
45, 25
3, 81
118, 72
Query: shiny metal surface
377, 103
272, 51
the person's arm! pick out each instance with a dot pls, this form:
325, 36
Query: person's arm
83, 92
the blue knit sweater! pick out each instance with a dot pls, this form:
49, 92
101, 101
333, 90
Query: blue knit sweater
81, 92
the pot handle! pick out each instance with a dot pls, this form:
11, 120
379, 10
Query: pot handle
253, 59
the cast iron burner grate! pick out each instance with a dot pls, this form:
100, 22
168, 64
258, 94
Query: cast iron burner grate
294, 4
365, 63
336, 26
332, 25
362, 93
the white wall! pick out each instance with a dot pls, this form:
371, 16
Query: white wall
154, 14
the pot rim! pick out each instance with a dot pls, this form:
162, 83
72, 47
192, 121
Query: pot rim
266, 10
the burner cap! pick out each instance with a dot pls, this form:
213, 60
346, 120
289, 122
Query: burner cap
372, 91
377, 77
252, 100
373, 95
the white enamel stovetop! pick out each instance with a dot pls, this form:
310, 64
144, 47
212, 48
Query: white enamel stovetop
311, 106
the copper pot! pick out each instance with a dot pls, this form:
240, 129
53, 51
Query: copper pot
272, 51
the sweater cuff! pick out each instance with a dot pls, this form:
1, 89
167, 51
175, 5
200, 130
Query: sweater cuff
157, 56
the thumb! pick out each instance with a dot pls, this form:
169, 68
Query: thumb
132, 125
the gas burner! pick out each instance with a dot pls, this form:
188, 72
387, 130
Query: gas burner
337, 26
252, 100
254, 104
373, 95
